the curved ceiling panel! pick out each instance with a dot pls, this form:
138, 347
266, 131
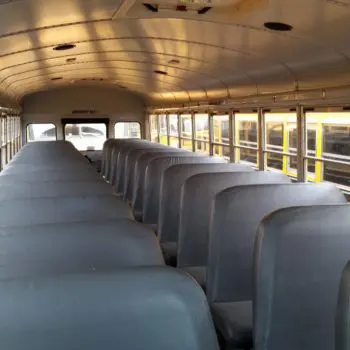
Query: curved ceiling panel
172, 55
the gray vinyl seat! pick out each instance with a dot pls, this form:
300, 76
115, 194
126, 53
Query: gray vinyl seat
130, 165
25, 212
117, 164
198, 194
53, 175
140, 175
106, 155
170, 199
112, 157
299, 255
342, 325
131, 309
54, 189
47, 167
153, 182
236, 215
76, 247
118, 168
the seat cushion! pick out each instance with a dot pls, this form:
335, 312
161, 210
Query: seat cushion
170, 253
199, 273
234, 321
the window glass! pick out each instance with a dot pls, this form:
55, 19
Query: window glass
162, 124
173, 125
248, 156
86, 136
202, 147
221, 129
125, 130
274, 136
202, 127
186, 126
247, 125
174, 141
281, 137
41, 132
247, 136
163, 129
153, 120
329, 141
186, 144
221, 151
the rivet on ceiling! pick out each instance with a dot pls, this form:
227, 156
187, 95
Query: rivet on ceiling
174, 61
278, 26
160, 72
63, 47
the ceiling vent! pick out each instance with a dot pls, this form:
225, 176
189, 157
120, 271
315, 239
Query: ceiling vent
224, 10
199, 9
91, 79
161, 72
64, 47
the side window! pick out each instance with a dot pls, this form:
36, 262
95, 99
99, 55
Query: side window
86, 137
41, 132
126, 130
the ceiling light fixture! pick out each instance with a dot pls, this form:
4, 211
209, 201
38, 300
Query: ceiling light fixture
160, 72
56, 78
63, 47
71, 60
150, 7
174, 61
278, 26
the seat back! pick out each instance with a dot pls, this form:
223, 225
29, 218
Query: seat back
198, 194
170, 193
115, 164
236, 215
48, 189
130, 309
121, 174
131, 159
37, 211
51, 175
140, 174
106, 156
299, 255
153, 182
342, 325
76, 247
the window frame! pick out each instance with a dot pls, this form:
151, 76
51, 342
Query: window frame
33, 123
124, 122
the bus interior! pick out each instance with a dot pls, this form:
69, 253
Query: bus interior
174, 175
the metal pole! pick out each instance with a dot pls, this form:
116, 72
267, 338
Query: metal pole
211, 133
261, 139
179, 129
302, 141
232, 136
167, 127
193, 116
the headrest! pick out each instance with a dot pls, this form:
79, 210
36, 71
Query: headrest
131, 309
300, 254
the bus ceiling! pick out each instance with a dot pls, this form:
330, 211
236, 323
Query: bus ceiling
178, 51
